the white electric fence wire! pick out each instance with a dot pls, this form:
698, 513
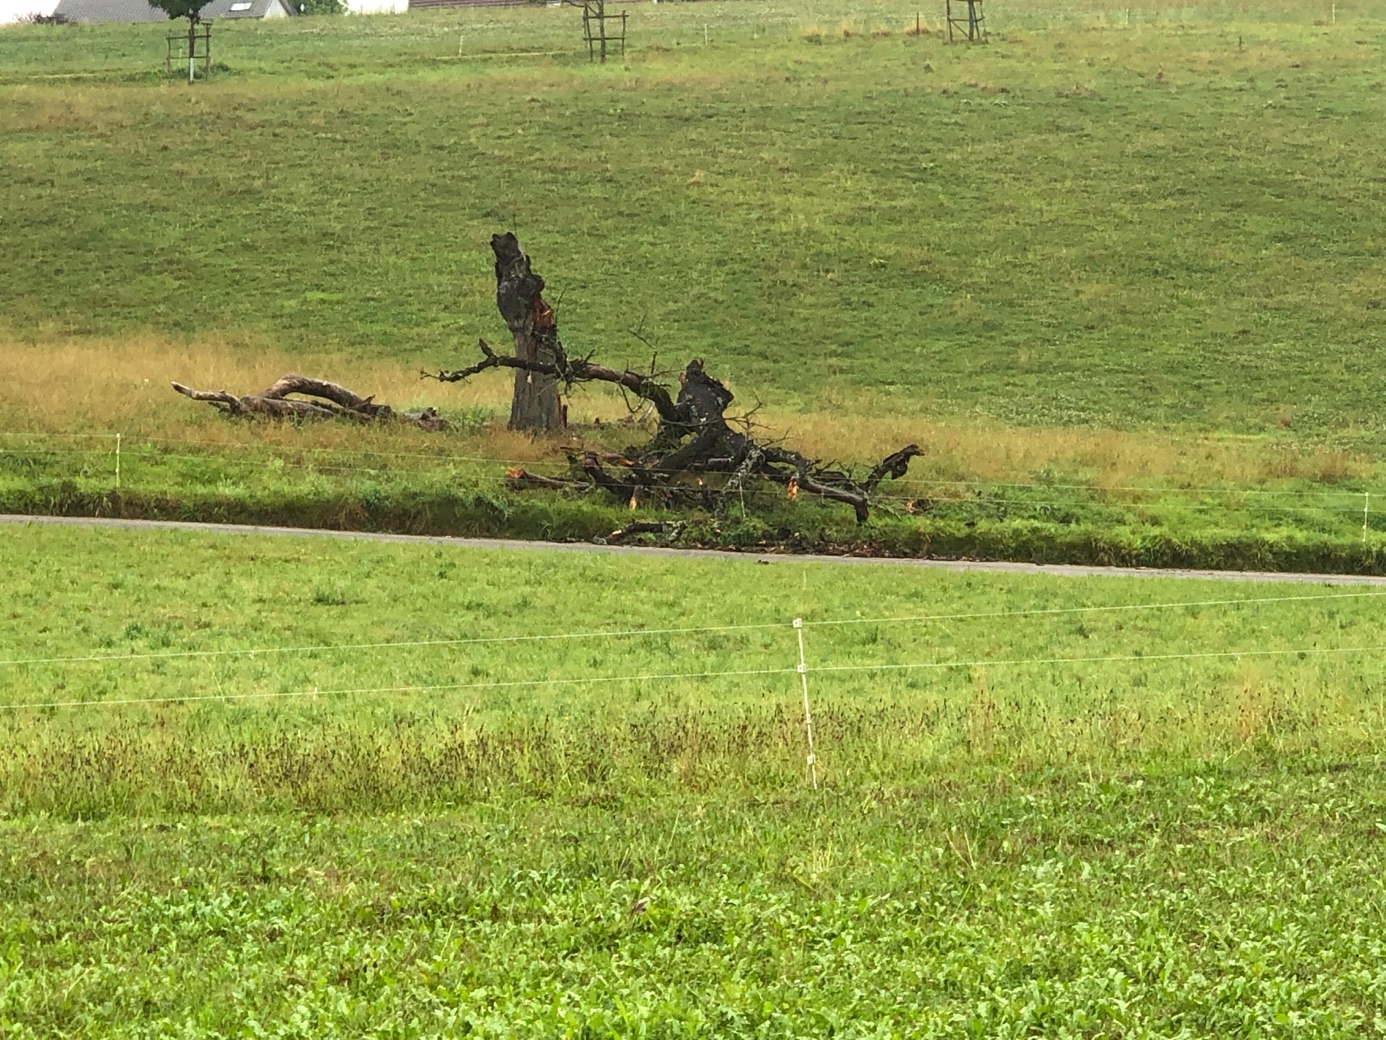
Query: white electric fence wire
265, 448
609, 634
925, 482
509, 684
269, 448
635, 632
1093, 609
40, 436
1012, 504
1114, 659
651, 677
931, 482
808, 715
64, 451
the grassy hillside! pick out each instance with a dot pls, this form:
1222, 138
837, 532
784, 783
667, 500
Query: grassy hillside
1172, 222
1064, 846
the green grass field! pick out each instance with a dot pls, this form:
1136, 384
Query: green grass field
1171, 224
1187, 846
1119, 272
1115, 249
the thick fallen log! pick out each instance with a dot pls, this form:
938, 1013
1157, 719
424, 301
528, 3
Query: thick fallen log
330, 401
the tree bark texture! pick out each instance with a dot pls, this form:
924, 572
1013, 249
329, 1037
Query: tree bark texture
696, 457
535, 406
693, 442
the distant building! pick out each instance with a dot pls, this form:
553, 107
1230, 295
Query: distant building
376, 6
140, 11
424, 5
21, 10
400, 6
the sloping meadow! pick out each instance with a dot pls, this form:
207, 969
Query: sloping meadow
996, 252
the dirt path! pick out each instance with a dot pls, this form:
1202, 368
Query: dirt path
1061, 570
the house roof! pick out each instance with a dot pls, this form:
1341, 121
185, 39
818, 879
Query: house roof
19, 10
140, 11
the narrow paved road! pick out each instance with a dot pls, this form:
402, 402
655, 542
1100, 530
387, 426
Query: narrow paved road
1061, 570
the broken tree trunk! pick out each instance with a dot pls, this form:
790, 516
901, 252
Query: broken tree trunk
695, 457
332, 402
535, 407
693, 441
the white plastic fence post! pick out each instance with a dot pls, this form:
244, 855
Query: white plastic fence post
117, 462
808, 715
1366, 505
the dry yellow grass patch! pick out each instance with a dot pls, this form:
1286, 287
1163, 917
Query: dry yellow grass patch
122, 385
111, 384
74, 386
1105, 458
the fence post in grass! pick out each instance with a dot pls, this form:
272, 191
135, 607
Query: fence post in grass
1366, 506
117, 453
808, 715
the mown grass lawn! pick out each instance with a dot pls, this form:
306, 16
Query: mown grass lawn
1156, 847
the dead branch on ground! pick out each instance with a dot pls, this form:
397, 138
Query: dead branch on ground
328, 401
695, 457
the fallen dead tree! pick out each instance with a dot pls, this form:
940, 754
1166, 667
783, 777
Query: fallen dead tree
696, 457
328, 401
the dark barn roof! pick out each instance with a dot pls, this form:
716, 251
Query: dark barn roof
140, 11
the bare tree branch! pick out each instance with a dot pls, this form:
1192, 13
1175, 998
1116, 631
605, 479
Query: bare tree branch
332, 402
694, 438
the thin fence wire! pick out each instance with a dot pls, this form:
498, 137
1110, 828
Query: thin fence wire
989, 662
991, 501
631, 632
804, 670
508, 684
257, 651
280, 450
1121, 488
1093, 608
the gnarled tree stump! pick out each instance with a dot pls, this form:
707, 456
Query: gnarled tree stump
692, 440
